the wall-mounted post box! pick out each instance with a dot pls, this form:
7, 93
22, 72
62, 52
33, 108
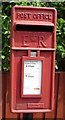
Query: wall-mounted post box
33, 41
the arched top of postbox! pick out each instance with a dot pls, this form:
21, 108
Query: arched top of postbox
31, 7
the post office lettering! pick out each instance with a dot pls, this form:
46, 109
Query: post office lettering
33, 16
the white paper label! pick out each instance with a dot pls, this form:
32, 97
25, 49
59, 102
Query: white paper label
32, 77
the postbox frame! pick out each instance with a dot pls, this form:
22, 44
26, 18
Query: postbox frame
13, 48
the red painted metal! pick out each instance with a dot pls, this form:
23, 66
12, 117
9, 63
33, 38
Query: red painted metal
32, 29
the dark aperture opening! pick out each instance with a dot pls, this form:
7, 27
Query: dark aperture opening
34, 28
27, 116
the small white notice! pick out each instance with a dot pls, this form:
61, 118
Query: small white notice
32, 77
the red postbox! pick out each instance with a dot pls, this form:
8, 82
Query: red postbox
33, 45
